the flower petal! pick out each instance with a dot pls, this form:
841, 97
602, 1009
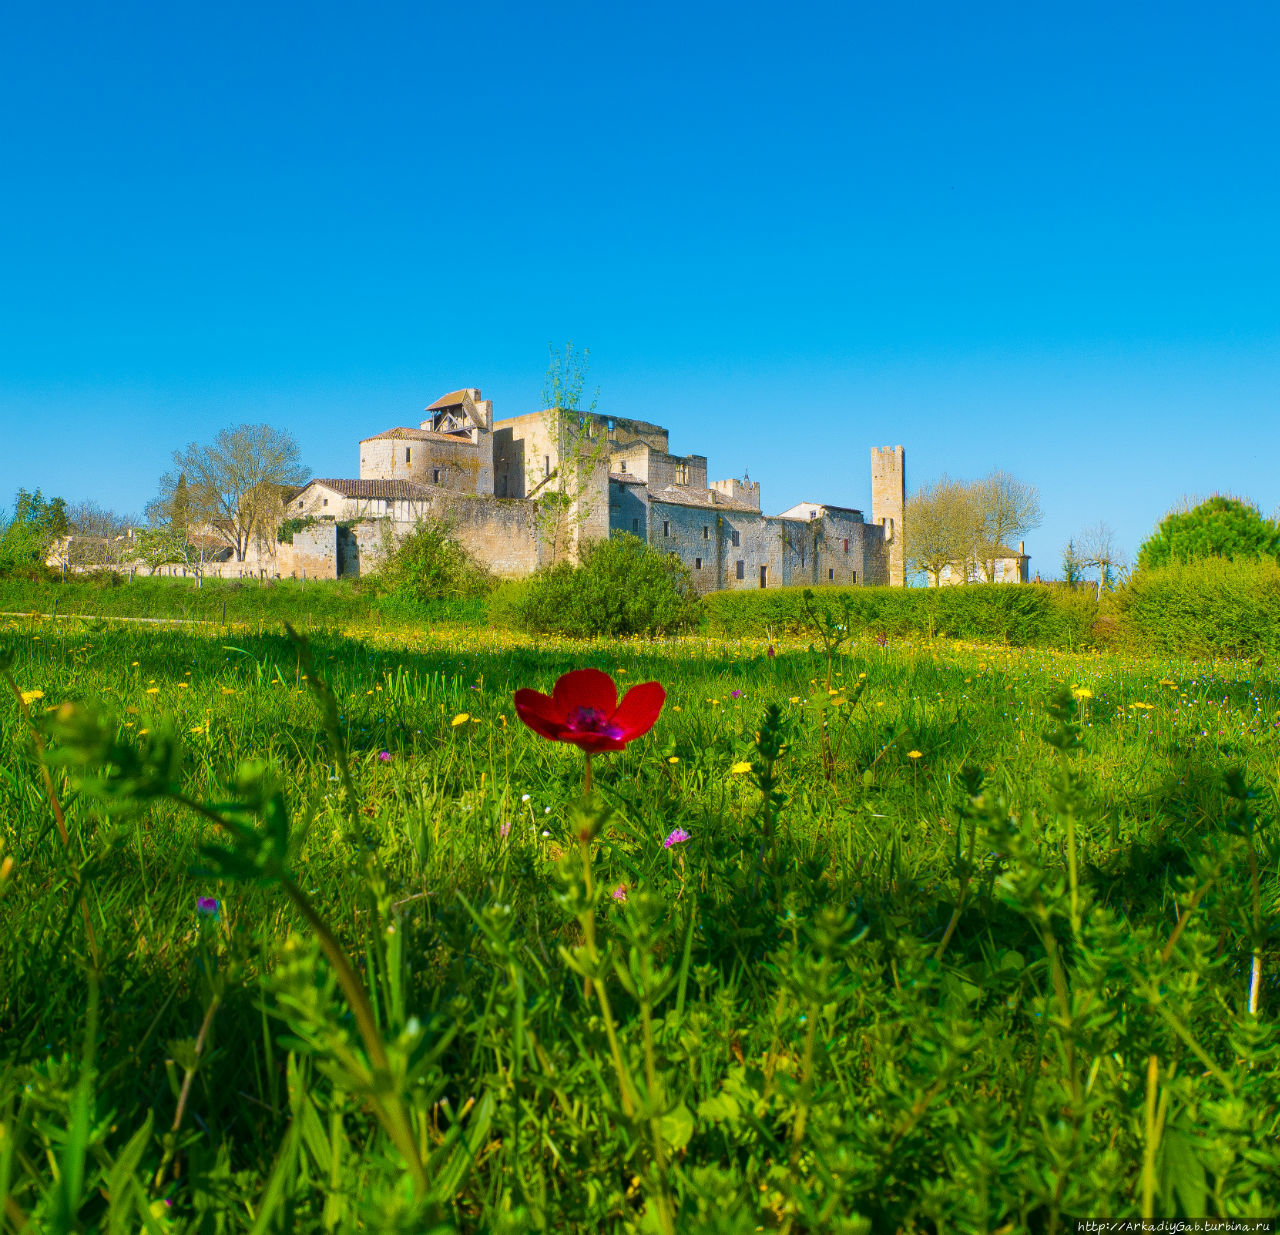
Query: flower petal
586, 688
540, 712
639, 709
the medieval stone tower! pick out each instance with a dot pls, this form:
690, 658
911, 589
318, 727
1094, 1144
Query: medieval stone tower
888, 501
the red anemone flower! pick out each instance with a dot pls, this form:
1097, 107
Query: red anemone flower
584, 709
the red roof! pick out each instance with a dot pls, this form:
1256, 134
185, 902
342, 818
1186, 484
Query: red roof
421, 435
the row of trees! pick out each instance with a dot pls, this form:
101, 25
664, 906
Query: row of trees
80, 534
968, 526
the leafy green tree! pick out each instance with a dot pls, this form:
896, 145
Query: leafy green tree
1072, 565
25, 541
1219, 527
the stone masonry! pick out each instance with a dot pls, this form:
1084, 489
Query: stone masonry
532, 489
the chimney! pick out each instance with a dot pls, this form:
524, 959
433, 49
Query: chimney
1022, 548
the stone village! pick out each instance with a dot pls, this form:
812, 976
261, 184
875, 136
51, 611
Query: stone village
523, 492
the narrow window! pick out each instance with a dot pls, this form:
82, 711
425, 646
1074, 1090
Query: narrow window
736, 541
846, 544
635, 525
407, 454
764, 574
435, 475
801, 555
855, 576
697, 563
831, 574
546, 465
741, 569
666, 528
706, 532
326, 501
299, 505
622, 467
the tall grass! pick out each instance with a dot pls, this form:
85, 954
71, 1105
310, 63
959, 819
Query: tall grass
980, 940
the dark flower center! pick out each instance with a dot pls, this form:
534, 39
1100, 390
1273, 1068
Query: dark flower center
591, 720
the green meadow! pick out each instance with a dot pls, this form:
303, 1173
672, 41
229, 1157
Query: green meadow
962, 938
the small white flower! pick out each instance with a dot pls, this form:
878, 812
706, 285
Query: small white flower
547, 811
546, 833
524, 797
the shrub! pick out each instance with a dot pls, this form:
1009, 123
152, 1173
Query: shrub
429, 564
1021, 615
622, 587
1221, 527
1211, 607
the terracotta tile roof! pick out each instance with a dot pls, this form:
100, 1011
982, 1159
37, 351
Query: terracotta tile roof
420, 435
396, 490
453, 399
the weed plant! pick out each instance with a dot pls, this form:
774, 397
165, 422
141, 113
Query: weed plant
310, 934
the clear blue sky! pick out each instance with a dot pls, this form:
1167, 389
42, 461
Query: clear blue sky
1038, 237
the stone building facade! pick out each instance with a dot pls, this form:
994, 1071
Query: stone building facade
532, 489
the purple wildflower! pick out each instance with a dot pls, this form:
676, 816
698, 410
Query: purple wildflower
771, 653
620, 892
678, 837
384, 756
735, 694
881, 640
505, 830
206, 907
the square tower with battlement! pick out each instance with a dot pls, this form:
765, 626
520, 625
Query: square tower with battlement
888, 504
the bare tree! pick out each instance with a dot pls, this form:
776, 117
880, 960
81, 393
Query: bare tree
1097, 547
1008, 509
235, 486
942, 528
95, 536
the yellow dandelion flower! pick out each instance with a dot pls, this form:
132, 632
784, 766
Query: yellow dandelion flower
460, 719
795, 698
915, 754
30, 696
152, 690
673, 759
740, 767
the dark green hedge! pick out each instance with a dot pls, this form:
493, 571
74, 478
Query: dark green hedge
1211, 607
1018, 614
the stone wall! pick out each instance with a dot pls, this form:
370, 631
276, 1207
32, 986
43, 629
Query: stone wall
314, 551
457, 465
502, 534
